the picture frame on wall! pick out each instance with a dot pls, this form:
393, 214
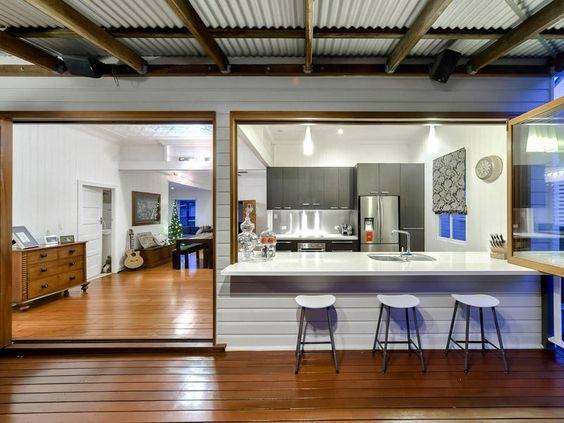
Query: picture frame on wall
145, 208
66, 239
23, 238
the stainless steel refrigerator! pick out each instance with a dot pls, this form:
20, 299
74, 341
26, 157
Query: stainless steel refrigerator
379, 215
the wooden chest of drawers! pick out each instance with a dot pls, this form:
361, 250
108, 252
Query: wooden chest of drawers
44, 271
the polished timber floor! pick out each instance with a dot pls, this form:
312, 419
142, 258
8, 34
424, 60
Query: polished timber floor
252, 386
157, 303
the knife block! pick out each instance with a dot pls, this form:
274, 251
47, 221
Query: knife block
499, 253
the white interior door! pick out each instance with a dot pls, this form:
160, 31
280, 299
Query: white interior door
91, 228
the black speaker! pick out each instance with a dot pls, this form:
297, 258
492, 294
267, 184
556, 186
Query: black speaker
84, 66
444, 65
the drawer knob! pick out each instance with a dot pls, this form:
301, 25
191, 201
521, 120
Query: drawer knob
45, 285
72, 251
72, 263
43, 255
43, 269
72, 278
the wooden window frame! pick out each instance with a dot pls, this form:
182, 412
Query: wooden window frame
9, 118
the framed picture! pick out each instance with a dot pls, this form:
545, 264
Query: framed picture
23, 238
66, 239
51, 240
146, 208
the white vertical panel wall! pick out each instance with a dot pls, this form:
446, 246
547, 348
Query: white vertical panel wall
226, 94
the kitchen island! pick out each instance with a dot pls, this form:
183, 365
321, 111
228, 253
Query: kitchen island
256, 307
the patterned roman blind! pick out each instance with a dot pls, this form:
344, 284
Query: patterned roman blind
449, 183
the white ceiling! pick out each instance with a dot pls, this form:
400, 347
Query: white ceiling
150, 134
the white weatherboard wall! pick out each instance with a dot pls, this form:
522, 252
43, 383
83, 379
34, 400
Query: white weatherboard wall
203, 199
48, 162
486, 202
223, 95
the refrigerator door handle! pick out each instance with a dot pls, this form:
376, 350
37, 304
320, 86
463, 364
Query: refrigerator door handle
380, 218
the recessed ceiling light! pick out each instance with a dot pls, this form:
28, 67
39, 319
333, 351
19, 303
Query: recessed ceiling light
340, 131
171, 187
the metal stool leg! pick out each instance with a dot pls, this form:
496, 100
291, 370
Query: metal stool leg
423, 365
466, 368
304, 336
451, 327
332, 341
385, 357
377, 328
298, 352
482, 330
408, 331
506, 367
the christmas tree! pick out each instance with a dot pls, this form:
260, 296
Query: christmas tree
174, 227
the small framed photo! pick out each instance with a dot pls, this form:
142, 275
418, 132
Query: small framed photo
23, 238
51, 240
66, 239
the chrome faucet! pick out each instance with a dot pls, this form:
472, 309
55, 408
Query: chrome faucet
408, 235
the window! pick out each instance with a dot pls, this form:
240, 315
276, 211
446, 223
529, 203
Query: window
452, 226
187, 215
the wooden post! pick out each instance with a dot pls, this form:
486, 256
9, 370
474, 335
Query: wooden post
5, 232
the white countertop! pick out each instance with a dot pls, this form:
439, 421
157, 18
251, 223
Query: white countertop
325, 237
359, 264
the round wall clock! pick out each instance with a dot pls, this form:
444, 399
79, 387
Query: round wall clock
489, 168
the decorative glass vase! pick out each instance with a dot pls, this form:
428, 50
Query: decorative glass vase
247, 239
268, 243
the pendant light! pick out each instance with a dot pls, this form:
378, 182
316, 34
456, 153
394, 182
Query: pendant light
308, 142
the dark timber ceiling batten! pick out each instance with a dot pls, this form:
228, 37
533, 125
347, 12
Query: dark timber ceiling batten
531, 27
30, 53
190, 18
73, 20
308, 42
428, 15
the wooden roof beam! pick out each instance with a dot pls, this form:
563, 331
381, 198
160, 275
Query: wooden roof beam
78, 23
529, 28
308, 40
284, 33
190, 18
30, 53
428, 15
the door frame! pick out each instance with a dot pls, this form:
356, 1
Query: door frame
8, 118
237, 118
113, 237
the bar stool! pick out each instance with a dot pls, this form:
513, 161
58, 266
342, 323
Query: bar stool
479, 301
314, 302
400, 302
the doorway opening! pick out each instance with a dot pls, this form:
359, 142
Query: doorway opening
103, 190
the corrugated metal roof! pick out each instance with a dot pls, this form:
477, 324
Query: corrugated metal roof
428, 47
128, 13
483, 14
18, 13
352, 47
251, 13
262, 47
63, 46
468, 47
366, 13
528, 48
164, 46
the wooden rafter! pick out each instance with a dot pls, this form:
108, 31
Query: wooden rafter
529, 28
190, 18
81, 25
428, 15
285, 33
30, 53
308, 36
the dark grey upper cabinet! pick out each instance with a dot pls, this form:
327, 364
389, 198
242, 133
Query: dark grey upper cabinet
332, 188
374, 178
346, 188
412, 196
274, 190
305, 188
389, 178
367, 179
290, 191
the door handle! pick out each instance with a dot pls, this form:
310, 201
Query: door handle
45, 285
43, 269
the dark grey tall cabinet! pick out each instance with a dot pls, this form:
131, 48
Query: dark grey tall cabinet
412, 204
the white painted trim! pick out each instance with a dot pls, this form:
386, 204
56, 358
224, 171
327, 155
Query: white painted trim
158, 166
557, 311
113, 239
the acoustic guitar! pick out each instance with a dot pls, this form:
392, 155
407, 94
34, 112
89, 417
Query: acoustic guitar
133, 259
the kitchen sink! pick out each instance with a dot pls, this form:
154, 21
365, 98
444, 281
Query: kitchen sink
398, 258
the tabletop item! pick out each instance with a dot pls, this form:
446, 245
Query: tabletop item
268, 244
23, 237
247, 239
497, 247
